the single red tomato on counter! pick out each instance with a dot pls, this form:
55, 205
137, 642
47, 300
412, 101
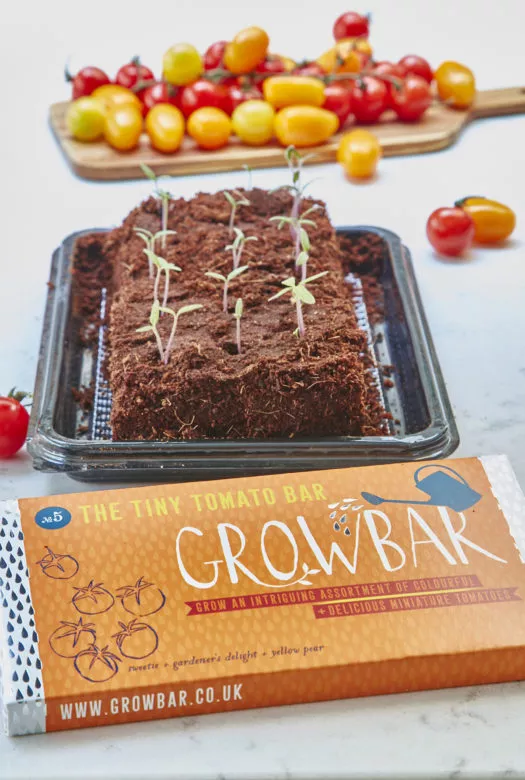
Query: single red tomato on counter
351, 25
213, 55
133, 73
416, 66
14, 421
338, 98
450, 231
161, 92
86, 81
412, 100
369, 99
307, 68
271, 65
203, 94
238, 93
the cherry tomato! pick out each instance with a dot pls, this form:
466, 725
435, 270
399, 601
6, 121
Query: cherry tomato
281, 91
85, 118
271, 65
338, 98
412, 65
239, 93
252, 122
392, 71
86, 81
369, 99
182, 64
131, 74
412, 100
202, 94
450, 231
309, 69
123, 127
165, 128
14, 421
304, 125
214, 54
210, 127
359, 152
341, 58
161, 92
456, 84
247, 50
113, 95
351, 25
493, 222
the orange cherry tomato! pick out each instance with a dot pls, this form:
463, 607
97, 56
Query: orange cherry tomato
113, 96
165, 127
247, 50
123, 127
210, 127
304, 125
359, 152
347, 56
281, 91
456, 84
493, 222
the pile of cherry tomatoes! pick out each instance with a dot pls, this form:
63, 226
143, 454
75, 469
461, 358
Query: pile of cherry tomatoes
239, 87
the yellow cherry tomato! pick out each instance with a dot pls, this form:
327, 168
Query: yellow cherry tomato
247, 50
113, 95
288, 63
165, 127
493, 221
253, 121
359, 152
304, 125
456, 84
210, 127
85, 119
123, 127
182, 64
281, 91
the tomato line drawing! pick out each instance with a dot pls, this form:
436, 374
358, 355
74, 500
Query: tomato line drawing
141, 599
71, 638
97, 664
58, 566
136, 640
92, 599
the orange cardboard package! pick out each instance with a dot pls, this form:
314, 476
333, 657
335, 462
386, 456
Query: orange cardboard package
147, 603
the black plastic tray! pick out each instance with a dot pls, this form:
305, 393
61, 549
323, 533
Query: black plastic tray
418, 399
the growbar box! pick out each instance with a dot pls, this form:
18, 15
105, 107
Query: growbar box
154, 602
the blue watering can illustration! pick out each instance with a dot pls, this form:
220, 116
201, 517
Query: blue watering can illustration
452, 492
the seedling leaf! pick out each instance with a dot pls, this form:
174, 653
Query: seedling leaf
148, 172
237, 272
190, 307
315, 276
305, 240
213, 275
303, 294
290, 282
144, 329
278, 295
230, 199
238, 309
302, 259
154, 315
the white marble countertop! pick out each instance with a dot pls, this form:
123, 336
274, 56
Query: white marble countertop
475, 309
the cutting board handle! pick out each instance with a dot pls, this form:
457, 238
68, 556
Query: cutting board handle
499, 102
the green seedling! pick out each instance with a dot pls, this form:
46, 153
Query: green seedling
249, 170
297, 227
176, 314
163, 195
162, 266
299, 294
237, 246
237, 317
226, 282
242, 201
150, 239
152, 327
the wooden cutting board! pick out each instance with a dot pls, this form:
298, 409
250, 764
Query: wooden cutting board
438, 129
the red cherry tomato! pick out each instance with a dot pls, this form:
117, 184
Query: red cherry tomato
213, 55
14, 421
412, 100
238, 93
162, 92
131, 74
351, 25
369, 99
391, 70
309, 69
203, 94
338, 98
450, 231
86, 81
271, 65
416, 66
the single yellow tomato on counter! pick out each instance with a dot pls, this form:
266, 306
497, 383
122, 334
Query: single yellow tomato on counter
123, 127
165, 127
456, 84
85, 119
252, 122
493, 221
209, 127
282, 91
113, 95
304, 125
359, 152
182, 64
247, 50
